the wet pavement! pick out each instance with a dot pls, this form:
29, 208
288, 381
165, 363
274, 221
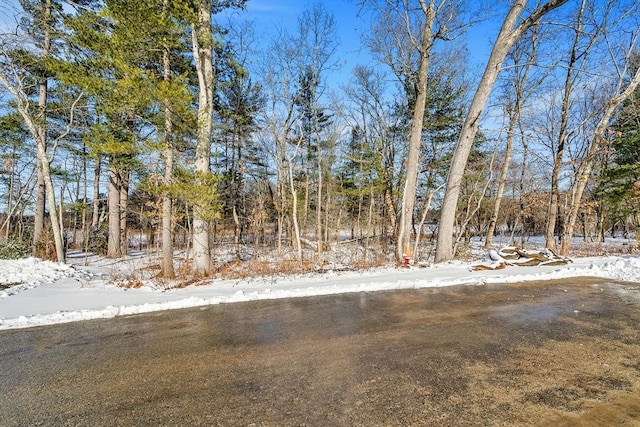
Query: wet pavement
562, 353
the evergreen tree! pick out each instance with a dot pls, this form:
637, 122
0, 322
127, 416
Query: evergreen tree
619, 182
111, 64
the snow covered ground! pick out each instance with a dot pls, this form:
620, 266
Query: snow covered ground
35, 292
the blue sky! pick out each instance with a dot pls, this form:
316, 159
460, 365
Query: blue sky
269, 14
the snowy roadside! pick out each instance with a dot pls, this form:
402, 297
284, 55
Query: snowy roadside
44, 293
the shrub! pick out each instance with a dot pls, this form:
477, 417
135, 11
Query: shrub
14, 249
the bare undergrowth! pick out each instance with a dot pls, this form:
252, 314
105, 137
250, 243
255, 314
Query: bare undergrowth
267, 262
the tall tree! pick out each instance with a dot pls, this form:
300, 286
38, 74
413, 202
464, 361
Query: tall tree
174, 101
111, 63
410, 62
21, 72
415, 134
203, 44
523, 57
167, 202
42, 19
576, 64
598, 142
317, 41
618, 188
512, 29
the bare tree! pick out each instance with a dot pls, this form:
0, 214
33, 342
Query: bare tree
14, 83
43, 84
511, 30
17, 83
575, 65
403, 247
317, 45
422, 25
523, 55
278, 78
599, 140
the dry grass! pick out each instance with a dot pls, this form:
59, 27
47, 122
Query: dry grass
262, 268
348, 256
128, 283
598, 249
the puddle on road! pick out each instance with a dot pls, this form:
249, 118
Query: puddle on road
563, 304
526, 314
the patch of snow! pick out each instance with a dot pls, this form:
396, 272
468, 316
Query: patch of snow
44, 293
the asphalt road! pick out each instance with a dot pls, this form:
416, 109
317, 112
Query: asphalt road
553, 353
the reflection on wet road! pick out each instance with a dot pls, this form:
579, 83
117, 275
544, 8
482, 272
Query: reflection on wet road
552, 353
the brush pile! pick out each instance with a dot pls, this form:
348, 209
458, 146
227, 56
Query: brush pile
511, 255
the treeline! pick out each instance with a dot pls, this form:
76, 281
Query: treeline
165, 124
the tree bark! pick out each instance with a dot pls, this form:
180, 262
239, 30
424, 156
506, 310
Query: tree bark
202, 40
123, 208
507, 36
294, 204
113, 240
95, 214
40, 205
167, 203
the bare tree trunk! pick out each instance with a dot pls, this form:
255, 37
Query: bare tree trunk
236, 232
167, 203
281, 204
167, 207
113, 241
585, 168
95, 215
39, 210
202, 40
503, 179
425, 211
294, 210
403, 244
40, 205
124, 203
55, 225
521, 214
508, 35
390, 207
554, 201
319, 202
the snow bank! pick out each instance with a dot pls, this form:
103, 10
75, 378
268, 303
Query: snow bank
44, 293
27, 273
625, 268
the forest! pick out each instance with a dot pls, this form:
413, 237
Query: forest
171, 126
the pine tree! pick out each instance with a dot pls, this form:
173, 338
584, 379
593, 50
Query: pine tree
110, 63
619, 182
